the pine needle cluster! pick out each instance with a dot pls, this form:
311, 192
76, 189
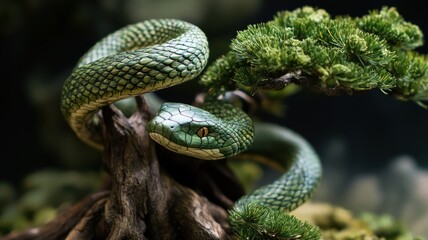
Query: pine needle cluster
336, 55
309, 47
257, 222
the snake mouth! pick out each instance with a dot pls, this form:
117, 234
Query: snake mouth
201, 153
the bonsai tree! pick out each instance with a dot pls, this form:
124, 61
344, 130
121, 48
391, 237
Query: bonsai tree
154, 193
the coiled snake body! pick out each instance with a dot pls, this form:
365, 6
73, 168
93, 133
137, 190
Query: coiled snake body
157, 54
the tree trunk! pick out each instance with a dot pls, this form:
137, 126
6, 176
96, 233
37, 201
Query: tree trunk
176, 197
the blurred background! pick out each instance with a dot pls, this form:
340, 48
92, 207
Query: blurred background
374, 148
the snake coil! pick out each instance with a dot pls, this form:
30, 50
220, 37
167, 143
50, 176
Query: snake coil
161, 53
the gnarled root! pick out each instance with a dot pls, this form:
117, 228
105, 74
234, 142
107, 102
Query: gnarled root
145, 201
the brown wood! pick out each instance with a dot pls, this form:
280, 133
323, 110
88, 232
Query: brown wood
175, 198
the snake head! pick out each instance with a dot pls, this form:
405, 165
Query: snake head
193, 131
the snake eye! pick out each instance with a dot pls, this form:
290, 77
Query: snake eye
202, 132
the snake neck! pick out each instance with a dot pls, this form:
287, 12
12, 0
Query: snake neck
296, 156
238, 125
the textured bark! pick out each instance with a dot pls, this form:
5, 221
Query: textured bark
175, 198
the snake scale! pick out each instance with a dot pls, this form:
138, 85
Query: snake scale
161, 53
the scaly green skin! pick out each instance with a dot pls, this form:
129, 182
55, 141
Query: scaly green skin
139, 58
293, 153
230, 130
156, 54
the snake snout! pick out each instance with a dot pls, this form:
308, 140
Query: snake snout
162, 126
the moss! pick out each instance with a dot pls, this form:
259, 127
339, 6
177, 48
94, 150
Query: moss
375, 51
337, 223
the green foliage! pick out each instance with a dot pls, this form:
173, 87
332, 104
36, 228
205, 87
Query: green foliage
41, 196
257, 222
392, 27
375, 51
387, 227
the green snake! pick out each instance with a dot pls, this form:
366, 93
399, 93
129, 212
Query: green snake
161, 53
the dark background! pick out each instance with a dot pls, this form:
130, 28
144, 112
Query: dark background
42, 40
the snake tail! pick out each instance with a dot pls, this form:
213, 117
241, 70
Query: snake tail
136, 59
293, 153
